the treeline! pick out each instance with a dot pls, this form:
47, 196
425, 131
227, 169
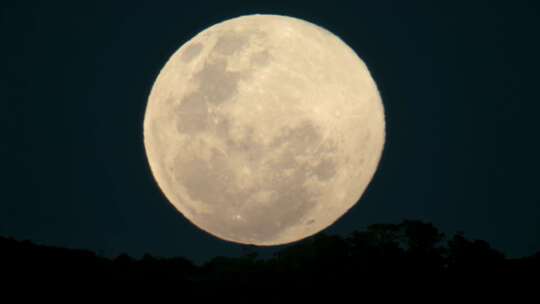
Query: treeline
385, 253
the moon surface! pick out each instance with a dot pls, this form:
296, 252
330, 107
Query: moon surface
264, 129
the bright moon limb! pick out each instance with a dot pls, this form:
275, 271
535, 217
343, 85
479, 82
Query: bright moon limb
264, 129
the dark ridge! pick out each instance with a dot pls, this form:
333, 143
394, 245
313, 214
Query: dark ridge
412, 252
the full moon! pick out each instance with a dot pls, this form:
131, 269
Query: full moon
264, 129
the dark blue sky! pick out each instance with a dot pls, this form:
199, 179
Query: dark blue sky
459, 81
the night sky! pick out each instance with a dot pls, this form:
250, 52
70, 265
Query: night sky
459, 81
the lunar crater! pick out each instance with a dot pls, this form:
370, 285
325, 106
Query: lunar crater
215, 82
231, 42
191, 52
244, 202
245, 185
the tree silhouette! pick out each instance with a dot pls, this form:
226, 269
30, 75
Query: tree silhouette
410, 251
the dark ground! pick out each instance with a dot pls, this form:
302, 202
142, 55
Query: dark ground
412, 253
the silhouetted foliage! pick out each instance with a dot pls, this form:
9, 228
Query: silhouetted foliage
381, 254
